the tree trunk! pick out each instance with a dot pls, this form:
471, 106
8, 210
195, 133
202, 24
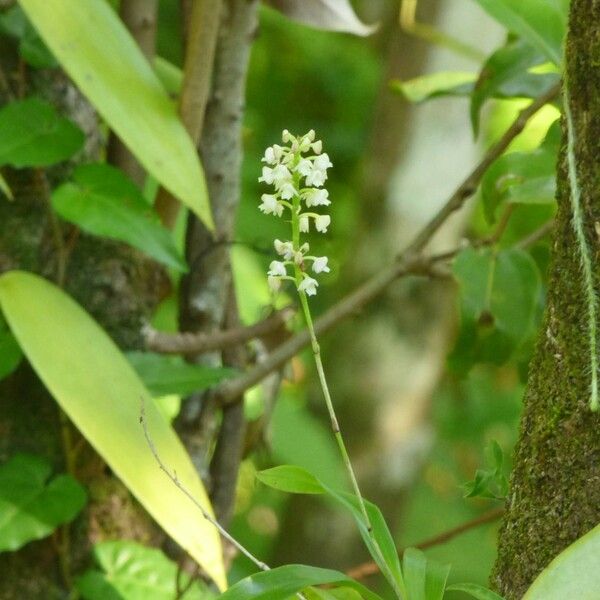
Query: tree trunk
120, 288
555, 493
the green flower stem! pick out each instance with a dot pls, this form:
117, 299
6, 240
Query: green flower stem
325, 388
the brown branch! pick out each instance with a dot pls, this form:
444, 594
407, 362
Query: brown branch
370, 568
227, 455
469, 186
409, 262
140, 18
197, 343
197, 75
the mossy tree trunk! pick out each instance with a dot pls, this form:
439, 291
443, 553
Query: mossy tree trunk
555, 487
120, 288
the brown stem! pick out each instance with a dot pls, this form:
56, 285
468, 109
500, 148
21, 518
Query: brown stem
201, 43
225, 462
370, 568
140, 17
197, 343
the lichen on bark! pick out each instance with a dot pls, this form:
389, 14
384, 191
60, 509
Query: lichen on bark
554, 494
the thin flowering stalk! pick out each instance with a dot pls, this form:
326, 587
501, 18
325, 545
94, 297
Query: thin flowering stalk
289, 168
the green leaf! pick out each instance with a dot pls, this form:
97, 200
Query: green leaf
170, 75
131, 571
282, 582
164, 375
100, 392
499, 292
522, 177
291, 479
506, 74
31, 507
104, 202
436, 579
474, 590
297, 480
425, 580
414, 566
10, 352
445, 83
388, 561
491, 482
33, 134
101, 57
542, 23
32, 49
341, 593
573, 573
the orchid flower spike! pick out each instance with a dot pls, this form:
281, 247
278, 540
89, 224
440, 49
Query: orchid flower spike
297, 170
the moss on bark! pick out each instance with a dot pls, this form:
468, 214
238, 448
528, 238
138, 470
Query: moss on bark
555, 487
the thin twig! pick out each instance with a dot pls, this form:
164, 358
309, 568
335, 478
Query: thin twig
196, 343
469, 186
370, 568
173, 477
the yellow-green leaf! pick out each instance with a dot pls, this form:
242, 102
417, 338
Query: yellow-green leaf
98, 389
98, 53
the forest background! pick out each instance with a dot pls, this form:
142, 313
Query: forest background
428, 378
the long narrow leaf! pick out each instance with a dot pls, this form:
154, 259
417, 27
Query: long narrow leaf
99, 54
283, 582
99, 390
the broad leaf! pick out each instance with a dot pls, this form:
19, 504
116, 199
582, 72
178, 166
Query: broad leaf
573, 573
542, 23
130, 571
474, 590
104, 202
444, 83
31, 507
97, 51
506, 74
499, 292
330, 15
33, 134
297, 480
522, 177
101, 393
283, 582
172, 375
291, 479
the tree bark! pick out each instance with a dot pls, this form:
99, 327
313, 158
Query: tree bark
120, 288
205, 292
555, 493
